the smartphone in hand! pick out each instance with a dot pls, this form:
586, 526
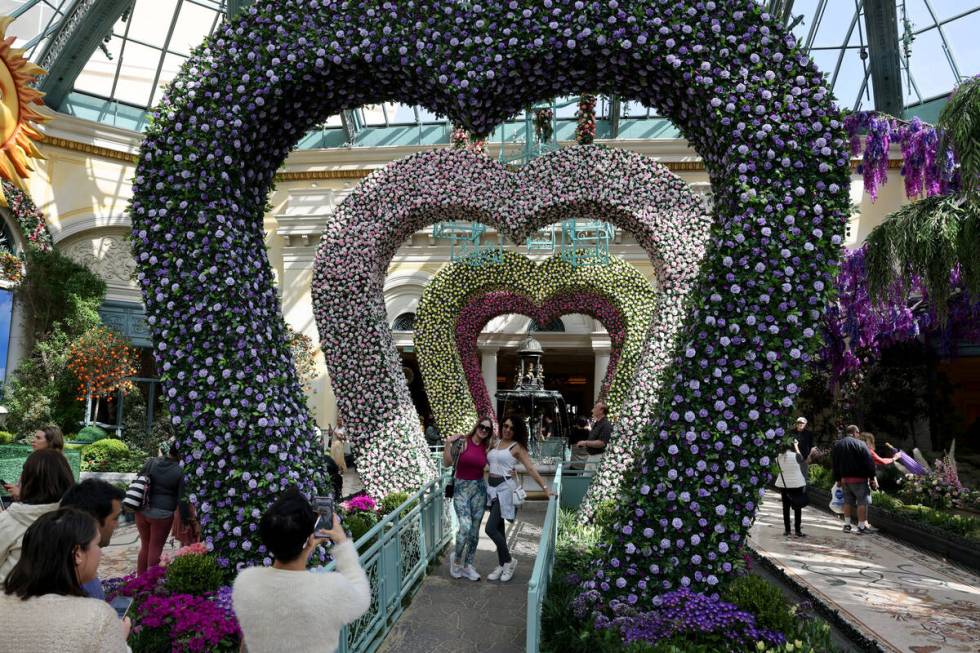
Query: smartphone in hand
121, 605
324, 507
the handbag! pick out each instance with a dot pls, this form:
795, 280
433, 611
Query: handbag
451, 485
138, 493
798, 498
837, 499
520, 495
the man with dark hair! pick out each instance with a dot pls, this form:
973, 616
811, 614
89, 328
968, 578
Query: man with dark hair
286, 607
104, 502
853, 468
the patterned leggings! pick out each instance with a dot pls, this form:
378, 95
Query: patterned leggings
470, 501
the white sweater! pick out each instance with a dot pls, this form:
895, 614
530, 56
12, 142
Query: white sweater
55, 624
791, 473
14, 522
300, 611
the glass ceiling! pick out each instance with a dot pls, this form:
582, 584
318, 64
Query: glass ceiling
937, 41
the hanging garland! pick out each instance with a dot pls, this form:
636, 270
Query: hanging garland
585, 131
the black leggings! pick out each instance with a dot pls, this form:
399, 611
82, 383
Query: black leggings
495, 528
797, 512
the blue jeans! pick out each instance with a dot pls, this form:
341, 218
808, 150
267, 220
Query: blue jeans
470, 501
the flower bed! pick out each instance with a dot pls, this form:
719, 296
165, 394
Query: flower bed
181, 605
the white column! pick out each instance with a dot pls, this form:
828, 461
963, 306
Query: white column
488, 366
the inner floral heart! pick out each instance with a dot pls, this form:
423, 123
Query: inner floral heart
634, 192
628, 307
482, 309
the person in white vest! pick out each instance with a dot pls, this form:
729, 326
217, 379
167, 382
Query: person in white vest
791, 481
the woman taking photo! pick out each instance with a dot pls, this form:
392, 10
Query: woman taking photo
43, 608
166, 497
502, 459
44, 480
469, 459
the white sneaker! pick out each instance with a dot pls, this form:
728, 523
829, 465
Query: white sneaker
495, 574
508, 572
470, 573
454, 569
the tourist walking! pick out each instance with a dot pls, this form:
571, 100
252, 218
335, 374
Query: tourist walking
853, 469
43, 608
288, 607
469, 460
511, 448
167, 493
791, 482
44, 480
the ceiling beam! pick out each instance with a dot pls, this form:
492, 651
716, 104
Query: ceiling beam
881, 22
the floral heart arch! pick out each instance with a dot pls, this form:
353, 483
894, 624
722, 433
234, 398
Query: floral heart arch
632, 191
739, 88
460, 299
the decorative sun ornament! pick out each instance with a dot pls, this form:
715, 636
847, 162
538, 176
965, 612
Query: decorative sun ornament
18, 118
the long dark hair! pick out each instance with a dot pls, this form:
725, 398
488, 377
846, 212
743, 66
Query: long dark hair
518, 430
486, 442
47, 557
53, 436
45, 478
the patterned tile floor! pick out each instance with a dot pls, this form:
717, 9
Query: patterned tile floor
907, 600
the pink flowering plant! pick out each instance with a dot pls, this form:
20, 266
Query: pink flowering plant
460, 299
174, 620
739, 88
30, 220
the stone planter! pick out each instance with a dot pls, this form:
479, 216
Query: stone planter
109, 477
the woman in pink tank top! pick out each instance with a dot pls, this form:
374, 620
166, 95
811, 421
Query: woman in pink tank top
469, 458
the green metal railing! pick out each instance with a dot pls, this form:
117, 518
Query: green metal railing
395, 555
537, 588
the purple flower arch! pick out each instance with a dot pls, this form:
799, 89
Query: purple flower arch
738, 87
483, 308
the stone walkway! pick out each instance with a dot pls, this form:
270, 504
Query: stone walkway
461, 616
906, 600
119, 558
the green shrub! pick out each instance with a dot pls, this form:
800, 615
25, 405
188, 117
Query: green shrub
193, 574
820, 477
91, 434
359, 522
761, 598
6, 437
605, 514
110, 455
392, 501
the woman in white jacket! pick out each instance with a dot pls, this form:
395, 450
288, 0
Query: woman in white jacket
791, 482
45, 479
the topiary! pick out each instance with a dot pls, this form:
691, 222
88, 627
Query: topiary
358, 523
90, 434
193, 574
103, 454
758, 597
392, 501
6, 437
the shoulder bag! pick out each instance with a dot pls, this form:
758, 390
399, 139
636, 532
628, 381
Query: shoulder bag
138, 493
798, 498
451, 485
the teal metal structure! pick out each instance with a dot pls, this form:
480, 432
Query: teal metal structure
586, 242
395, 555
466, 243
537, 587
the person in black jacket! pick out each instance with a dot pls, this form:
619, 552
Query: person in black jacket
167, 496
853, 468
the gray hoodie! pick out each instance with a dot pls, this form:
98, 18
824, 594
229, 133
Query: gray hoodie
14, 521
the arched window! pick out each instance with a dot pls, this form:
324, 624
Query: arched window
556, 325
404, 322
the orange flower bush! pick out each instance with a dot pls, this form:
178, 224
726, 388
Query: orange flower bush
101, 361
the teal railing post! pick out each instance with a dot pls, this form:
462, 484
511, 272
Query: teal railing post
537, 587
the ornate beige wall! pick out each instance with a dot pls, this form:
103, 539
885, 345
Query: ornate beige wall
84, 188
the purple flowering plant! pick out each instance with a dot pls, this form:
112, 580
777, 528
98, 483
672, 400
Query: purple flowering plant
740, 89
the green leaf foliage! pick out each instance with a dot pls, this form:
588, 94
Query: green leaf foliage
193, 574
959, 125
